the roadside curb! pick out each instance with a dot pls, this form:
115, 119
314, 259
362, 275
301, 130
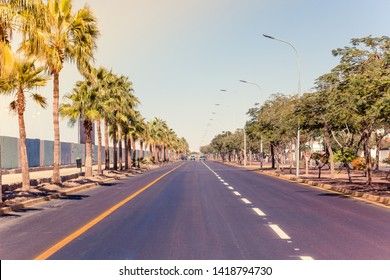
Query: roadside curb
34, 201
379, 200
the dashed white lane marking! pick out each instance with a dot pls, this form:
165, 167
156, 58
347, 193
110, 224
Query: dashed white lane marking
259, 212
246, 201
279, 232
274, 227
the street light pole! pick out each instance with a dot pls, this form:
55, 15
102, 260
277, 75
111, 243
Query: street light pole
261, 139
299, 95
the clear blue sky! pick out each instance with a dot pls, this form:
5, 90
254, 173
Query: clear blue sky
180, 53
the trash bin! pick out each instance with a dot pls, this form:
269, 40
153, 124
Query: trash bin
78, 162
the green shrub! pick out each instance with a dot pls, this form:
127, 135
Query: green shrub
349, 155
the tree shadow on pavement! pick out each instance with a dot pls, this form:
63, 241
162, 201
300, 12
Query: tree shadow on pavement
332, 195
73, 197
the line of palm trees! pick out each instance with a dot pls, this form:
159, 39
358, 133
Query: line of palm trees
53, 33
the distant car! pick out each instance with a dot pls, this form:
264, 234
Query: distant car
192, 157
202, 158
183, 158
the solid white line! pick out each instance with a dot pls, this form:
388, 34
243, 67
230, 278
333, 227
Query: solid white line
279, 232
237, 193
259, 212
306, 258
246, 201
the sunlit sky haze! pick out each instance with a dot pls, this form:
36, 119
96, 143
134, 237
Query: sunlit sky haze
179, 54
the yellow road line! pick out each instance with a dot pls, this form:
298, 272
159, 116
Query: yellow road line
98, 219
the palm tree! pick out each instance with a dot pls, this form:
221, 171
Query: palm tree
25, 77
138, 126
62, 36
122, 106
98, 79
84, 100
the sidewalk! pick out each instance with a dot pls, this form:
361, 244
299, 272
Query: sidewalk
9, 179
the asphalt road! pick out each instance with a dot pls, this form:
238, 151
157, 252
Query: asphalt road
200, 211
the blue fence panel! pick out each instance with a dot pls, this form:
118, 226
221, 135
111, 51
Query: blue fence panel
66, 153
33, 152
9, 152
78, 152
48, 157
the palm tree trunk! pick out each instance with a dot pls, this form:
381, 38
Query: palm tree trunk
120, 147
22, 140
56, 125
99, 132
134, 152
88, 148
141, 143
128, 155
106, 145
126, 151
115, 147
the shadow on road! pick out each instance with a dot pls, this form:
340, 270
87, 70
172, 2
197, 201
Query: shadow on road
333, 195
73, 197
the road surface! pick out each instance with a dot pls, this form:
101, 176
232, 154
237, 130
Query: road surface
199, 211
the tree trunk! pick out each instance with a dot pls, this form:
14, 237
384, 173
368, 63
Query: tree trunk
141, 143
378, 148
330, 150
367, 155
100, 161
115, 148
106, 145
134, 151
56, 125
120, 147
88, 148
273, 156
22, 141
307, 164
126, 151
129, 153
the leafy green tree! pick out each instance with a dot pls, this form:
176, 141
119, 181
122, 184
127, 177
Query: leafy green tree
321, 159
278, 123
363, 73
